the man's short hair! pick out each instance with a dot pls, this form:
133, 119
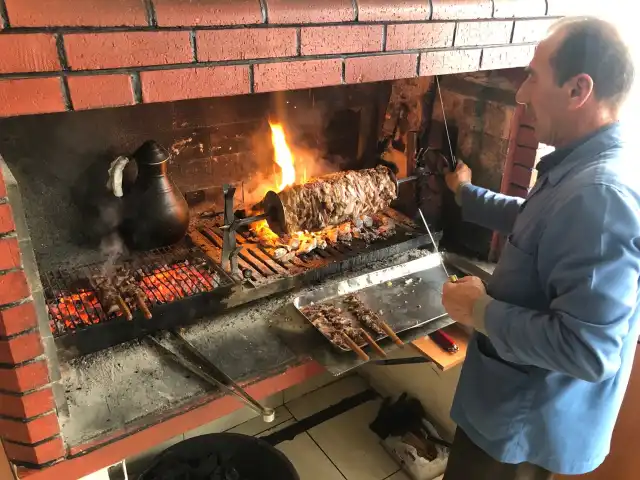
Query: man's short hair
594, 47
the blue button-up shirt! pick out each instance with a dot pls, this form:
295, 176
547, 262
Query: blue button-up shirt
546, 382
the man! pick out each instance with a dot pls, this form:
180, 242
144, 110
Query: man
557, 327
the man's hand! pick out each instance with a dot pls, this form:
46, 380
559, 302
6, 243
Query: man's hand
459, 298
461, 175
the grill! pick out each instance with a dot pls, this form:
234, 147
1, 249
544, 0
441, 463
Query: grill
181, 284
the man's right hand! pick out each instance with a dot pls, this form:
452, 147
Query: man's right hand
460, 176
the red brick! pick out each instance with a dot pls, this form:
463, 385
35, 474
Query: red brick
246, 43
17, 319
451, 61
507, 57
29, 96
461, 9
531, 30
519, 8
21, 348
527, 138
525, 156
76, 13
419, 35
98, 91
6, 219
207, 12
28, 52
9, 253
170, 85
381, 67
37, 455
87, 51
270, 77
341, 39
27, 406
517, 191
13, 287
520, 176
32, 431
386, 10
483, 33
25, 377
295, 11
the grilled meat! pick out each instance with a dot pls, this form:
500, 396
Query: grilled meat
337, 198
364, 315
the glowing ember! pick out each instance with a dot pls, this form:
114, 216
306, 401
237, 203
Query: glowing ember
283, 156
160, 284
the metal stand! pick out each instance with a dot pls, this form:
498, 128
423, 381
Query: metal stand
230, 249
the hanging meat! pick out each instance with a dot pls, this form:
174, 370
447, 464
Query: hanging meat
332, 199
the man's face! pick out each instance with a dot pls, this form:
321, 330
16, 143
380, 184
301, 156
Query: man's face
546, 102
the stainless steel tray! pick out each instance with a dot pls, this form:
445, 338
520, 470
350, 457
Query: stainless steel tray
408, 295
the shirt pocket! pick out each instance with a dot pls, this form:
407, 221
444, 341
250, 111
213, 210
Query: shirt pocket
515, 279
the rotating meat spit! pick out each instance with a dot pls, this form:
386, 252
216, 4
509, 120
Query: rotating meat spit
275, 213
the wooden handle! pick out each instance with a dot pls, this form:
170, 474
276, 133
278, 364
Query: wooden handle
391, 333
143, 306
355, 347
373, 343
123, 307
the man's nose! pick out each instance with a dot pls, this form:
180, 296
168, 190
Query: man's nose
522, 95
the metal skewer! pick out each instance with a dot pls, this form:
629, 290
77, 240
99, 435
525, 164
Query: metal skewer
452, 278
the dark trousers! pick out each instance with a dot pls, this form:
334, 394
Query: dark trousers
467, 461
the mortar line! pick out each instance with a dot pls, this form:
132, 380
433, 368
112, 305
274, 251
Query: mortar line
152, 19
4, 15
264, 10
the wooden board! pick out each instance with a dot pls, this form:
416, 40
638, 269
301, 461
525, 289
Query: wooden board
443, 359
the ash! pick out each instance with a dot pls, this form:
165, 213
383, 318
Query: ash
132, 385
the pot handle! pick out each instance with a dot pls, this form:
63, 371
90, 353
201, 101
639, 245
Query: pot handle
114, 184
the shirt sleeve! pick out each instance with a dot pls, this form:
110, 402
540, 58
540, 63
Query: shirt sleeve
589, 265
488, 209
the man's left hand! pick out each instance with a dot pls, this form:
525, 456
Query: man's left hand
459, 298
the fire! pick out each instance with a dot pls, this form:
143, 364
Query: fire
283, 156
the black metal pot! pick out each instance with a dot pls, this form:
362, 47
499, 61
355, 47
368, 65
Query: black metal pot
156, 213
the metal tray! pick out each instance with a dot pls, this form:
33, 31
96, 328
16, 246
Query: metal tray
409, 295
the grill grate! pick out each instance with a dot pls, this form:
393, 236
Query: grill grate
161, 276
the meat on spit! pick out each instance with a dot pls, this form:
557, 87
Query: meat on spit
331, 200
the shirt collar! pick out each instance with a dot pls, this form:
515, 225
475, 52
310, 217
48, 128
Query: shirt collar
559, 162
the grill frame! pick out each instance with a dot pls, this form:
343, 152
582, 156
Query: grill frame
271, 277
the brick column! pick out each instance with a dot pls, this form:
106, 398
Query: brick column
29, 374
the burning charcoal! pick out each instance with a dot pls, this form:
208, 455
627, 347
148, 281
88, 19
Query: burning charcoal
344, 233
322, 243
368, 221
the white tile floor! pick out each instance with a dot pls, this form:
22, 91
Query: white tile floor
342, 448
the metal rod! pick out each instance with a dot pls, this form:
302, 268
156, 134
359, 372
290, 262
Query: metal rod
222, 377
435, 246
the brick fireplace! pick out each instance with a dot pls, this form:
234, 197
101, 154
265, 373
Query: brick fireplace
131, 69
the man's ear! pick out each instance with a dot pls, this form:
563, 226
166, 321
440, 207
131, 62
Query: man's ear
580, 90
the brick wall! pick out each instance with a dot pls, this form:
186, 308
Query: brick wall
29, 376
61, 55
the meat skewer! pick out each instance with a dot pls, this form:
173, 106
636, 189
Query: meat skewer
365, 315
331, 200
354, 346
373, 344
124, 308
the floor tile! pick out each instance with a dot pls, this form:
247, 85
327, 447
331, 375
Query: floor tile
256, 425
399, 476
309, 385
352, 446
326, 396
308, 459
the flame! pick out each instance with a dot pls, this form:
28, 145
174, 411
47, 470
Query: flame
283, 156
